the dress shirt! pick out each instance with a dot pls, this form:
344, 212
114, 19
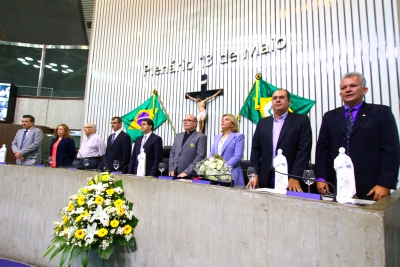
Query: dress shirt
221, 144
144, 139
186, 136
356, 108
117, 133
92, 146
276, 131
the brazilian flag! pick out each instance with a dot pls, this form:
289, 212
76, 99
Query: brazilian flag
150, 109
258, 104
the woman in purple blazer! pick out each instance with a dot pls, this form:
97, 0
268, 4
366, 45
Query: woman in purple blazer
62, 147
230, 145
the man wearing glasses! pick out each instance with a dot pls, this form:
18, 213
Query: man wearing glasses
118, 147
92, 148
283, 130
189, 148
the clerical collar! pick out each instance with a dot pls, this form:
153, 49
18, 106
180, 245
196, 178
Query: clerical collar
190, 132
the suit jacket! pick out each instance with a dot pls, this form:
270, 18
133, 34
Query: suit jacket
154, 152
31, 146
295, 140
120, 150
232, 153
184, 158
374, 147
65, 151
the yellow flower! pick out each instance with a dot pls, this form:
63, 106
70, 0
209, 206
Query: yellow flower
79, 218
90, 182
102, 232
84, 191
70, 206
58, 227
79, 234
110, 191
99, 200
127, 229
118, 203
81, 200
114, 223
65, 219
105, 177
121, 211
86, 213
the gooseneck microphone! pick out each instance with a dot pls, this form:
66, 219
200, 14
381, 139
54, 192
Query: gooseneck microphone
130, 163
310, 179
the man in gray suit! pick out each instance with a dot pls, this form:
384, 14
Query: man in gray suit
27, 141
189, 148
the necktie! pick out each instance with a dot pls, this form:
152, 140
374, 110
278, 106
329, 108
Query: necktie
349, 128
23, 139
113, 138
143, 141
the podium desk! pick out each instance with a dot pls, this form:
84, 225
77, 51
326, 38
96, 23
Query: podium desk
187, 224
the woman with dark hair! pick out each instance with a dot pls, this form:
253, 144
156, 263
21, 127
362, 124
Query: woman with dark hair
230, 146
62, 147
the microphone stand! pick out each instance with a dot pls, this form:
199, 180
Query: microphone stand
310, 179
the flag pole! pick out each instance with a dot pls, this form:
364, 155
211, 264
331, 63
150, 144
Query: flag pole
165, 111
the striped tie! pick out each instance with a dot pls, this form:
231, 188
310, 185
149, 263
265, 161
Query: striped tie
349, 128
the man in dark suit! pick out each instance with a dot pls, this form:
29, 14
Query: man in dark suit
118, 146
153, 147
284, 130
370, 136
27, 142
189, 148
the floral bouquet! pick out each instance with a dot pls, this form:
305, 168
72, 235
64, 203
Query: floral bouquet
97, 217
215, 169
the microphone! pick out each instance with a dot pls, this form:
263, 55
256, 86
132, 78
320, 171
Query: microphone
130, 163
309, 179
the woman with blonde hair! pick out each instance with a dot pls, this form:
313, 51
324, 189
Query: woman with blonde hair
230, 146
62, 147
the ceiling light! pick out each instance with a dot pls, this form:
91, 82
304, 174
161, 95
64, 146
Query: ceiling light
64, 66
69, 70
29, 58
39, 61
36, 66
53, 64
64, 71
25, 63
21, 59
48, 66
54, 69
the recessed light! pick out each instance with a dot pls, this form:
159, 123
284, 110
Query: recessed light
21, 59
53, 64
54, 69
48, 66
69, 70
29, 58
39, 61
64, 66
36, 66
64, 71
25, 63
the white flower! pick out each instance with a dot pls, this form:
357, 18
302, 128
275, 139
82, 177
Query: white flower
112, 231
107, 202
71, 231
219, 166
90, 231
118, 190
99, 214
128, 237
213, 165
97, 187
120, 230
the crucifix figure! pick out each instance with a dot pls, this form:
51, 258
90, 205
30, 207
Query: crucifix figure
201, 98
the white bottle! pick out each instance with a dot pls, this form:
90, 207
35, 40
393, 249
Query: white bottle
3, 153
141, 169
346, 184
281, 170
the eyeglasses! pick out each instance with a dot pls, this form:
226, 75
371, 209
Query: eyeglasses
281, 97
188, 121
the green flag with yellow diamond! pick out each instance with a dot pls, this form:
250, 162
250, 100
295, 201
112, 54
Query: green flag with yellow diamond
150, 109
258, 104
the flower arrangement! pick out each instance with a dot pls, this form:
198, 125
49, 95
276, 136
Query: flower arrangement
97, 217
215, 169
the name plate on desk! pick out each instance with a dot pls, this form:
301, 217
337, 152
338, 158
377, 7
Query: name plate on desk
3, 162
39, 165
116, 172
201, 181
71, 169
304, 195
166, 177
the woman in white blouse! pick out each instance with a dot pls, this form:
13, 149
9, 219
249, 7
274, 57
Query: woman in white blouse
230, 146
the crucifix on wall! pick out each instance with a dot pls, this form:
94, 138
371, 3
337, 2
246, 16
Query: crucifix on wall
201, 98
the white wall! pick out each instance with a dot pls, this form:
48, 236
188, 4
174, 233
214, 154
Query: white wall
325, 39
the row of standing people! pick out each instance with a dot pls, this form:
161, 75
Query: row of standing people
367, 131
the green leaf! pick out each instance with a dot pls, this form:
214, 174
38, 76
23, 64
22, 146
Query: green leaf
119, 183
106, 253
133, 222
58, 250
49, 249
131, 243
65, 254
74, 254
85, 258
